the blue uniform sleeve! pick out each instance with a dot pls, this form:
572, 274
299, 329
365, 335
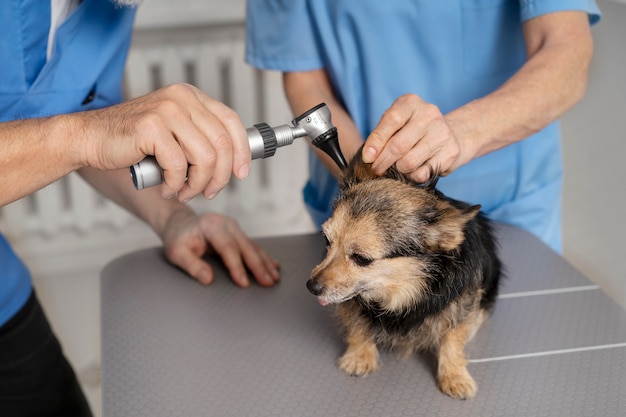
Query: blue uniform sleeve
280, 36
534, 8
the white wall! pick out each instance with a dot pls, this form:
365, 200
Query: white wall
595, 147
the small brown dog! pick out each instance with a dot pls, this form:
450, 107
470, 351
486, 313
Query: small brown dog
410, 270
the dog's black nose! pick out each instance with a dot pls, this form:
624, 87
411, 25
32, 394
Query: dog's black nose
314, 286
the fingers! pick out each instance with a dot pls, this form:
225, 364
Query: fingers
405, 147
187, 165
168, 153
413, 135
264, 270
192, 263
229, 145
239, 252
392, 120
236, 132
209, 156
197, 140
422, 174
188, 237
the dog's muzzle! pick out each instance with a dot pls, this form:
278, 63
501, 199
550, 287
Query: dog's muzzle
314, 287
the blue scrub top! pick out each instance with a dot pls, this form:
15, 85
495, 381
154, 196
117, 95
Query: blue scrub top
84, 72
448, 52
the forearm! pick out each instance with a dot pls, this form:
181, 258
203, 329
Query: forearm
197, 140
37, 152
147, 204
307, 89
553, 79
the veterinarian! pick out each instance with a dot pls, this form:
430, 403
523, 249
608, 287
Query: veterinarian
60, 85
470, 89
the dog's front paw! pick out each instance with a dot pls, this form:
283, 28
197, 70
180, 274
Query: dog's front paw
359, 362
459, 384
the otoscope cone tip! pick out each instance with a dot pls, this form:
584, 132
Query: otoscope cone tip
329, 143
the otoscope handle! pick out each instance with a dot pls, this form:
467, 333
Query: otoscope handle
263, 139
146, 173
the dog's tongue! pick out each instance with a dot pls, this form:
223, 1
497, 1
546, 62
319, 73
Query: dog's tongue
322, 302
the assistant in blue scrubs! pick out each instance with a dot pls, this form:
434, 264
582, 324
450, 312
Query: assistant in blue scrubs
448, 52
84, 72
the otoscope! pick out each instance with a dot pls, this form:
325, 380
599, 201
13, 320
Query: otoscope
264, 140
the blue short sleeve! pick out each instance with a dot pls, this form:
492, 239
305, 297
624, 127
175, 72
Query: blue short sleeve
280, 36
534, 8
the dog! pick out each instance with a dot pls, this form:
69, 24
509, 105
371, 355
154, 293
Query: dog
409, 270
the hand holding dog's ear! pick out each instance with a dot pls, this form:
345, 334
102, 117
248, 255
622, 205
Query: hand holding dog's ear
357, 171
413, 135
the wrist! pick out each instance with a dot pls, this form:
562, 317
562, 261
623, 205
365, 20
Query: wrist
171, 211
467, 139
72, 140
62, 141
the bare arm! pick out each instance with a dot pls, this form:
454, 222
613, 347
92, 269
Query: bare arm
186, 236
33, 154
178, 124
147, 204
417, 137
181, 127
559, 48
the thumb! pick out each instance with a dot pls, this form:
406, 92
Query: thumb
375, 142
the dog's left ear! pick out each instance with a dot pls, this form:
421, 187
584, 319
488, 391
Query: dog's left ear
446, 231
357, 171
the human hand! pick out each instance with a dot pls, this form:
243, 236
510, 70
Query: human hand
415, 136
187, 237
197, 140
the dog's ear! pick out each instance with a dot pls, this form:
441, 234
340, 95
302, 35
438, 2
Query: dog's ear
357, 171
445, 232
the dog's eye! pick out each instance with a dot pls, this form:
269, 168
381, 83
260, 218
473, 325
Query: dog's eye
361, 260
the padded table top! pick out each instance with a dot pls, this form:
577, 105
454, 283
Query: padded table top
555, 345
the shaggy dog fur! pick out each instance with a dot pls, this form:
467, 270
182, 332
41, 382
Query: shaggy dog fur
409, 270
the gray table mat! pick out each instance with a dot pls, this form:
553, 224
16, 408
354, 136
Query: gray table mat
171, 347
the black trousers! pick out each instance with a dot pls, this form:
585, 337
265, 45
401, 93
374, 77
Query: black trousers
35, 377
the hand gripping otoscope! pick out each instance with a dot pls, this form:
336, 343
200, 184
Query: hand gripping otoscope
263, 139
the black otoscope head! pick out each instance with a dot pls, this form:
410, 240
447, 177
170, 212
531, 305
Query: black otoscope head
329, 143
318, 125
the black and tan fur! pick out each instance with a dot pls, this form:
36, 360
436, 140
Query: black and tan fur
410, 270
